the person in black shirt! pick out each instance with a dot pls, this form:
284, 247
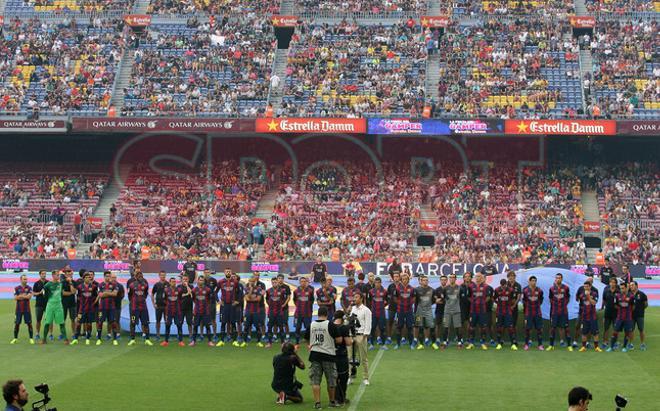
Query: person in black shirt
319, 270
212, 283
516, 296
342, 358
158, 299
641, 302
609, 316
187, 304
395, 268
606, 272
69, 298
464, 297
391, 307
190, 269
40, 303
121, 292
284, 375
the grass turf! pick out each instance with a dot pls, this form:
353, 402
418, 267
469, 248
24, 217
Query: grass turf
140, 377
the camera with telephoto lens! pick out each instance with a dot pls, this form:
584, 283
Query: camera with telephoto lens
352, 323
41, 404
620, 401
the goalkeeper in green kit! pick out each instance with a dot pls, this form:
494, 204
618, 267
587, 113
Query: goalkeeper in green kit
54, 310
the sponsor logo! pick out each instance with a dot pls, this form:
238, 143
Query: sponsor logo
116, 265
401, 126
435, 21
468, 126
267, 267
311, 125
15, 265
284, 21
137, 20
561, 127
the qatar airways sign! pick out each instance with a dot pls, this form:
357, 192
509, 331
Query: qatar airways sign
191, 125
561, 127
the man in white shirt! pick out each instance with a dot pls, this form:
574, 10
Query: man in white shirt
363, 314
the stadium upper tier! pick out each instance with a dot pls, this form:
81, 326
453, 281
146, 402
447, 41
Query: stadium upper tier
487, 62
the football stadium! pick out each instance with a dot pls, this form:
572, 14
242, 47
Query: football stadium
311, 204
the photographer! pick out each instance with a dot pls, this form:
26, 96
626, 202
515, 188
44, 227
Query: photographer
578, 399
362, 331
284, 375
323, 336
15, 394
342, 358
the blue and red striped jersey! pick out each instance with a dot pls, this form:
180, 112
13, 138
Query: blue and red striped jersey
532, 300
107, 303
504, 300
254, 307
275, 297
228, 289
137, 295
304, 301
327, 296
87, 294
405, 298
202, 298
378, 297
479, 294
587, 309
624, 303
173, 301
559, 298
23, 305
348, 296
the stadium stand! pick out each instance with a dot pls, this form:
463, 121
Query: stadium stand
57, 68
347, 70
626, 69
201, 70
188, 7
502, 68
64, 7
41, 211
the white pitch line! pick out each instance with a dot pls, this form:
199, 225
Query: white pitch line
358, 395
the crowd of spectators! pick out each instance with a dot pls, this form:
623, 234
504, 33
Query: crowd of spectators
224, 7
222, 69
507, 69
629, 202
531, 218
619, 7
166, 217
346, 216
349, 70
54, 68
626, 80
371, 6
556, 8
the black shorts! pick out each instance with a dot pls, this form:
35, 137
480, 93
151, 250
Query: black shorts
187, 315
39, 311
141, 316
638, 322
70, 312
26, 317
86, 318
106, 315
608, 321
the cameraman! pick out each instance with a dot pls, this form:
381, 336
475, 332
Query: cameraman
363, 330
284, 375
15, 394
342, 358
578, 399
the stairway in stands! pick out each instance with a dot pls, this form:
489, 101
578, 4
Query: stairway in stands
123, 79
2, 7
426, 213
286, 7
581, 8
279, 68
591, 213
140, 6
110, 196
432, 77
265, 211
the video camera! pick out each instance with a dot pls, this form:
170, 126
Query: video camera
41, 404
352, 323
620, 402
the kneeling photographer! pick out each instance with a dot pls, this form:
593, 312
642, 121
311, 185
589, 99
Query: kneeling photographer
341, 358
284, 382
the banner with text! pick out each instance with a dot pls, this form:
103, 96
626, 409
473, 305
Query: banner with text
284, 21
591, 227
638, 127
582, 22
409, 126
148, 124
561, 127
33, 126
138, 20
311, 125
435, 21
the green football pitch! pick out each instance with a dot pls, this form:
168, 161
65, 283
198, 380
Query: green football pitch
140, 377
